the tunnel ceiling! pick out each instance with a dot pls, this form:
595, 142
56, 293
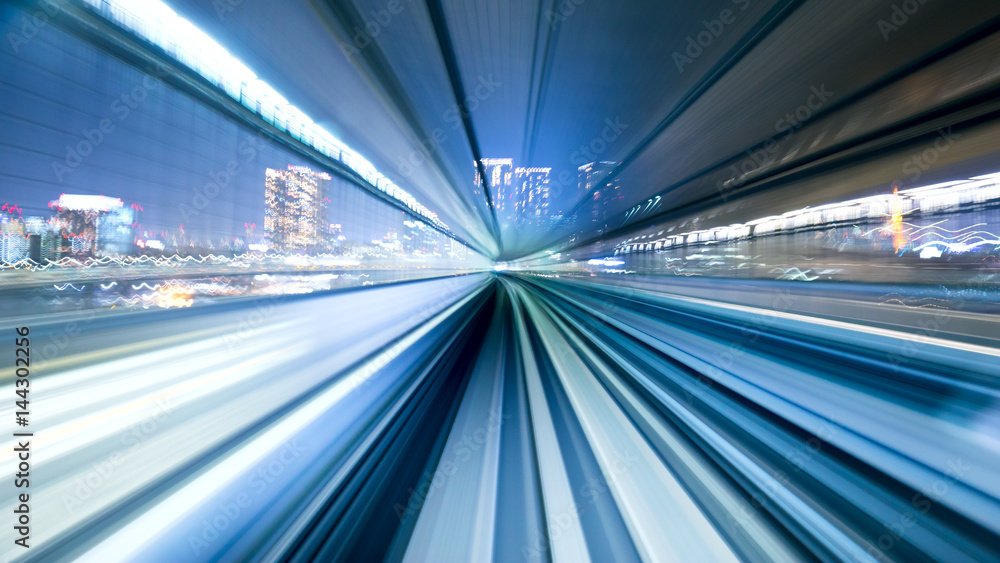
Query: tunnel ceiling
677, 95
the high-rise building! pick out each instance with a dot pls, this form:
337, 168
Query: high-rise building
42, 230
116, 230
13, 240
337, 238
596, 187
78, 220
500, 179
419, 238
591, 175
532, 186
295, 212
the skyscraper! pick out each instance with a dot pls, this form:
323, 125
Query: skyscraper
500, 178
116, 231
591, 175
78, 222
296, 202
532, 200
601, 192
13, 240
47, 239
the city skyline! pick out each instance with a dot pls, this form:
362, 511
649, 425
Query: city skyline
523, 196
295, 209
302, 213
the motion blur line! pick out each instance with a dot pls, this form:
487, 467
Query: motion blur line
767, 540
87, 388
299, 527
357, 453
665, 523
78, 433
145, 528
80, 455
457, 522
888, 333
103, 354
879, 433
876, 432
566, 541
